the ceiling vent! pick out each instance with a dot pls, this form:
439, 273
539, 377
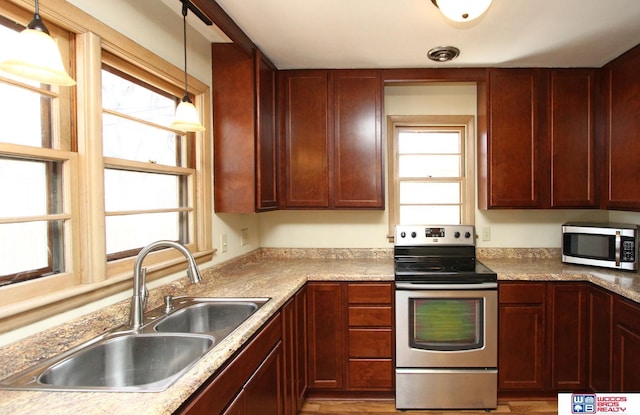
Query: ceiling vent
443, 53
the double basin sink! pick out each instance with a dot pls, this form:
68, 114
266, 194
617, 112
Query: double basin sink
172, 340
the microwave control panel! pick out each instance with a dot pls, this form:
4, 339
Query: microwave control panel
628, 253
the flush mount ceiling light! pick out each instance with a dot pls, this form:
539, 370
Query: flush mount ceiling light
35, 56
443, 53
187, 118
462, 10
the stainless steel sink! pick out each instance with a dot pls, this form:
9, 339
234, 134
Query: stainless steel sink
215, 316
118, 362
150, 359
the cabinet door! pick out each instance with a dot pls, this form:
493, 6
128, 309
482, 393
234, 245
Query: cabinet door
357, 139
233, 129
623, 135
572, 138
262, 393
568, 318
326, 335
510, 174
600, 324
306, 139
300, 344
266, 158
521, 340
626, 346
295, 352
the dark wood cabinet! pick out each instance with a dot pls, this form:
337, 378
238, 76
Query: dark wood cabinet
626, 346
244, 137
295, 352
370, 336
326, 335
305, 139
521, 337
331, 151
568, 343
350, 337
600, 308
622, 132
572, 129
251, 383
536, 145
509, 111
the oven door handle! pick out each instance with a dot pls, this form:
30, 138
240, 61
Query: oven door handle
423, 286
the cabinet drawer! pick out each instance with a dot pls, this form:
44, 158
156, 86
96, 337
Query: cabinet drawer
371, 373
370, 293
369, 316
370, 343
521, 293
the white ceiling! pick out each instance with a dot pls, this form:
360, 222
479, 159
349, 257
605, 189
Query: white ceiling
398, 33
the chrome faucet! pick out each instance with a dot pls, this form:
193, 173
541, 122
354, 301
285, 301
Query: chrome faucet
140, 292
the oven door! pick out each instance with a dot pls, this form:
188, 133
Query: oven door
446, 325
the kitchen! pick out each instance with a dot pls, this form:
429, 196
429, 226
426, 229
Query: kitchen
317, 229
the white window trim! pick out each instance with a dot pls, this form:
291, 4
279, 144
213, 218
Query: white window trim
394, 123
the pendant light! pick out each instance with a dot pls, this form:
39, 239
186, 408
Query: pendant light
187, 118
36, 56
462, 10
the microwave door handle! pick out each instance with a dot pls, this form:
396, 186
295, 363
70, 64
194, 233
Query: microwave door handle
618, 243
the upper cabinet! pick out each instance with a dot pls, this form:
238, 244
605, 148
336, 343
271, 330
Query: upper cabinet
622, 132
331, 141
536, 139
244, 137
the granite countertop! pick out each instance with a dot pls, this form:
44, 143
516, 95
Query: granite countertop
277, 274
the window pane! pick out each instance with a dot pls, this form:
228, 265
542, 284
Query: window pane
429, 166
429, 193
131, 140
135, 100
130, 190
429, 142
420, 215
25, 247
22, 117
135, 231
29, 188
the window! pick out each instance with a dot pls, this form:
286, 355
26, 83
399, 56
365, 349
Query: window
149, 170
90, 175
35, 170
431, 179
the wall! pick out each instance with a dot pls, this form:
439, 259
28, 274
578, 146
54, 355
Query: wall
508, 228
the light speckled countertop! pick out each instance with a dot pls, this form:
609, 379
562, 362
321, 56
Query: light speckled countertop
265, 273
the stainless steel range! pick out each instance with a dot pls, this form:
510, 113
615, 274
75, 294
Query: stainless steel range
446, 320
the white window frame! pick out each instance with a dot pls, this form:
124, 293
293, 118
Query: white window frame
463, 123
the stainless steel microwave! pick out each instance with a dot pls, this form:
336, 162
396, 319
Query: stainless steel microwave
610, 245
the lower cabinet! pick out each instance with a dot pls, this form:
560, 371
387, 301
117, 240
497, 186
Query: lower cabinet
521, 337
351, 344
250, 384
566, 337
294, 339
626, 346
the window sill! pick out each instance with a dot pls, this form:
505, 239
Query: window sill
29, 311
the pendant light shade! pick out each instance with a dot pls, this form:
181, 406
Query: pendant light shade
187, 118
35, 56
462, 10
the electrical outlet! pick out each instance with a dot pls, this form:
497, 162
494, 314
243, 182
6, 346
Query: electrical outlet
224, 242
244, 238
486, 233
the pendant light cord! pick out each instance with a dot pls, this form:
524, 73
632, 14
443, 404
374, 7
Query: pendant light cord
184, 39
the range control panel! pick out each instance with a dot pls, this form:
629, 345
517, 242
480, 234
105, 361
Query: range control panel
418, 235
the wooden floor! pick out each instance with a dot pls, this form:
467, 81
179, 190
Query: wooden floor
336, 407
